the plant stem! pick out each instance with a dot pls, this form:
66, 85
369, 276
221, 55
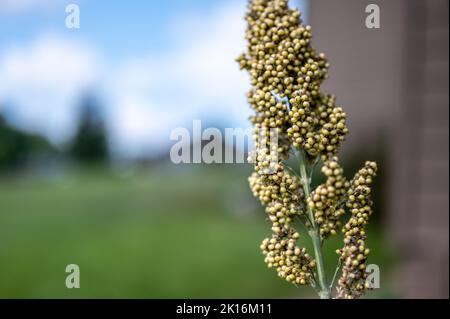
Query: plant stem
338, 267
305, 175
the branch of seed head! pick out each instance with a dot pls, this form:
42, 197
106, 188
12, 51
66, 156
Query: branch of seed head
292, 262
354, 254
324, 199
293, 265
280, 195
318, 126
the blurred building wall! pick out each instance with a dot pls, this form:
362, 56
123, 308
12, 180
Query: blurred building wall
393, 82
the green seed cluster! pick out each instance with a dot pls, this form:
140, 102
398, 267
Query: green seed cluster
280, 193
319, 129
352, 284
327, 198
291, 262
286, 74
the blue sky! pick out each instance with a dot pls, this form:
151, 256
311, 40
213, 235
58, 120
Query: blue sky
155, 65
119, 27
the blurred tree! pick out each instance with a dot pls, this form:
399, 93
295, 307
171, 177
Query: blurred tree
90, 142
18, 148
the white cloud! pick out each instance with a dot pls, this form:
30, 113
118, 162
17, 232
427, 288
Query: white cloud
42, 82
198, 78
205, 60
48, 63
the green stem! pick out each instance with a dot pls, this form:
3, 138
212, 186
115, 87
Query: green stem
324, 289
338, 267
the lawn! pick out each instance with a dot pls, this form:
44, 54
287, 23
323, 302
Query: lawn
155, 233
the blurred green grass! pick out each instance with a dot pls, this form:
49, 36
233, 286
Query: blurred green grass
167, 232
